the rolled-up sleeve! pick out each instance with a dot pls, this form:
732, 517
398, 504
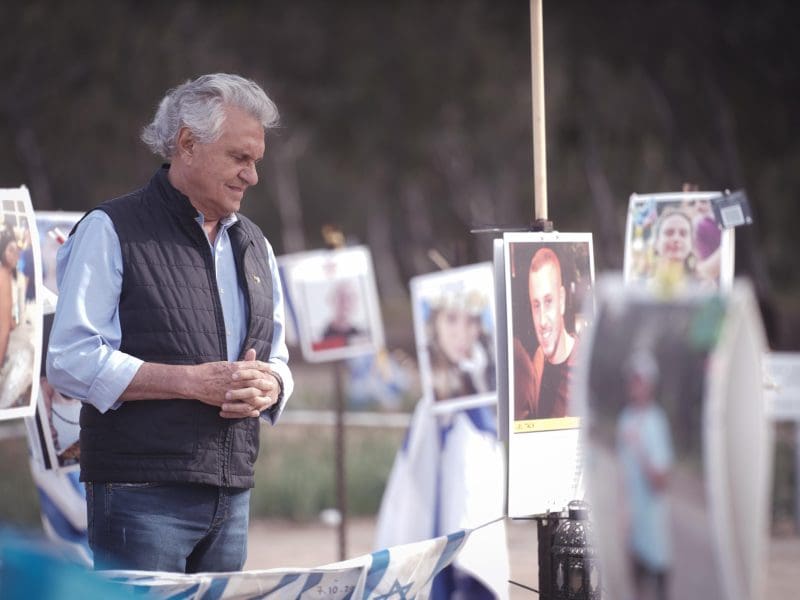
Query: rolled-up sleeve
83, 357
279, 356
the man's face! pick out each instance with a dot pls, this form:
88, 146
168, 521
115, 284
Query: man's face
547, 308
219, 172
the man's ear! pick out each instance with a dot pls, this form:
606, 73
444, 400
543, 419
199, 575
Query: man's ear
186, 143
563, 300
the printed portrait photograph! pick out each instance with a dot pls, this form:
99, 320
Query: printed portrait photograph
341, 317
334, 299
673, 240
20, 305
454, 328
548, 283
646, 397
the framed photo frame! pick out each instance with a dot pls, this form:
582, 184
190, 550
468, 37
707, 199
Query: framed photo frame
335, 300
667, 390
54, 430
57, 420
674, 239
54, 228
454, 328
20, 305
548, 288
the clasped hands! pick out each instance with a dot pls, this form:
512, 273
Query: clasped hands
241, 389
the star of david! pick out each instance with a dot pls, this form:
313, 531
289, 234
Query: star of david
398, 589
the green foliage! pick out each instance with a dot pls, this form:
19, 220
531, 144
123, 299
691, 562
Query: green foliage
295, 473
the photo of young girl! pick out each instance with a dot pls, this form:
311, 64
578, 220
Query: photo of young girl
454, 329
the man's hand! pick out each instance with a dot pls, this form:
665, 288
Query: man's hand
254, 388
240, 389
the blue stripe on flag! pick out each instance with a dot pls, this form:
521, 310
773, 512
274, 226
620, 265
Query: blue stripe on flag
74, 478
380, 563
63, 528
186, 594
484, 419
285, 580
312, 580
217, 588
349, 595
454, 542
406, 440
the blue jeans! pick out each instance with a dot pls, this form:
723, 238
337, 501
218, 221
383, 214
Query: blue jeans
176, 527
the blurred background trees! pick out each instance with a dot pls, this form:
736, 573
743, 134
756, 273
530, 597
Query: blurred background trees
409, 123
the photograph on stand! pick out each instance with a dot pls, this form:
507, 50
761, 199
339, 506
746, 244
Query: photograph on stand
58, 419
336, 303
20, 305
647, 401
54, 432
454, 329
548, 282
673, 240
54, 228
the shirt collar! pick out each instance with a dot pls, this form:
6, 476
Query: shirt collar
223, 223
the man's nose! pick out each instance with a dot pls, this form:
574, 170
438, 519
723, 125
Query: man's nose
249, 174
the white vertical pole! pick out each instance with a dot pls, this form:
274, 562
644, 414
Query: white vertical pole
537, 98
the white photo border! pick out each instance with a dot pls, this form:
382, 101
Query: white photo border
468, 278
727, 236
544, 462
304, 270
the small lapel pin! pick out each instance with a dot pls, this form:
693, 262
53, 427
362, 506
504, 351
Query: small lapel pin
256, 278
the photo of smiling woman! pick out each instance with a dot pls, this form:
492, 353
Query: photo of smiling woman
674, 247
460, 348
673, 240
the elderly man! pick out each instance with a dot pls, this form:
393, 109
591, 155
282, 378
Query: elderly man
542, 383
170, 330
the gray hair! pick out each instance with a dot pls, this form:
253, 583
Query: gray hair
199, 105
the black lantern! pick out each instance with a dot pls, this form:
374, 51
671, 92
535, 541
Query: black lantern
575, 574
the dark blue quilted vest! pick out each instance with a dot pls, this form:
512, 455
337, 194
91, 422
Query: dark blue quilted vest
170, 313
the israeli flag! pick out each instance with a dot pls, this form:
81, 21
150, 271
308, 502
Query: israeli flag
62, 501
449, 476
273, 584
398, 573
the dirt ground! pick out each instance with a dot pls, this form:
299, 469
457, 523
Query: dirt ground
275, 544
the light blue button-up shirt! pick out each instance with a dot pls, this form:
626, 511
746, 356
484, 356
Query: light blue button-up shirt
84, 360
